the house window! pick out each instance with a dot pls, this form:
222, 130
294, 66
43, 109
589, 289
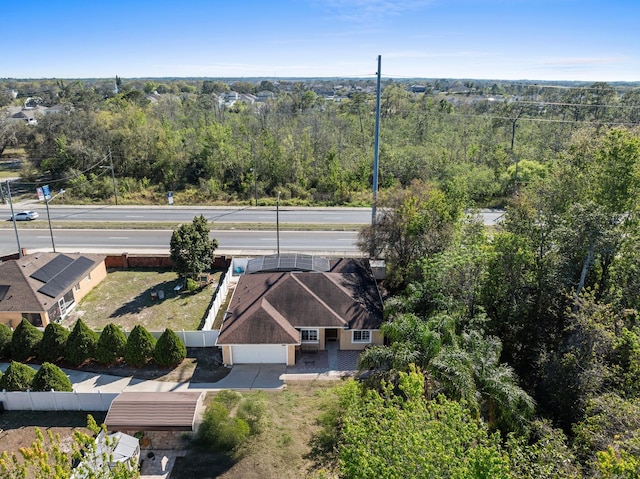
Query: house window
360, 336
88, 277
309, 335
77, 287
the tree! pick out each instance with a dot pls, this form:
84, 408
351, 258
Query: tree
81, 344
140, 346
192, 252
48, 458
403, 435
17, 377
53, 342
49, 377
416, 223
111, 344
169, 350
5, 340
25, 341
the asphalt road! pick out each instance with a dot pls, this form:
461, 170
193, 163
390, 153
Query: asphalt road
157, 241
215, 214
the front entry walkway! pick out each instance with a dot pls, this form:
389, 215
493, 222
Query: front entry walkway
328, 361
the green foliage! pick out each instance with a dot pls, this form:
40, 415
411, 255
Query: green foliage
191, 249
81, 344
140, 346
229, 398
219, 431
253, 410
49, 377
17, 377
169, 349
192, 285
386, 435
5, 340
542, 453
25, 342
48, 458
53, 342
111, 344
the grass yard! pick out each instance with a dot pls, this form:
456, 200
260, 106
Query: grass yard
284, 450
125, 298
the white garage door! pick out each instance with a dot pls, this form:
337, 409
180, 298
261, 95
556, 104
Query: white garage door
259, 353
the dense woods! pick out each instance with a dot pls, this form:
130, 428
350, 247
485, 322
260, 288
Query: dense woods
211, 141
512, 352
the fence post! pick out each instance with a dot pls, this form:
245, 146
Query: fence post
55, 403
30, 399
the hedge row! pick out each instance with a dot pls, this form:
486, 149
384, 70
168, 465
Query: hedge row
20, 377
81, 344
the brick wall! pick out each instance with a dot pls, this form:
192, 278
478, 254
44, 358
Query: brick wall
127, 261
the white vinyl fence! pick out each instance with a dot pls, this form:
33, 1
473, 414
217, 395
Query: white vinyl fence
56, 401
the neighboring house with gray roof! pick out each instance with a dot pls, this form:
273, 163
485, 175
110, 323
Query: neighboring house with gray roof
44, 287
282, 308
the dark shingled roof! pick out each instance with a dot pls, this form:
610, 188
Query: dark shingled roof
267, 307
24, 293
154, 411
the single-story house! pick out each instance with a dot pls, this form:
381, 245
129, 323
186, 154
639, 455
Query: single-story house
297, 302
44, 287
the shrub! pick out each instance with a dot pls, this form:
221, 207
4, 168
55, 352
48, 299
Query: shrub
228, 398
17, 377
140, 346
111, 344
5, 340
49, 377
169, 350
192, 285
53, 342
254, 411
25, 341
220, 431
81, 345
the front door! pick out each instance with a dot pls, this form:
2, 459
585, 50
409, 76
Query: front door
331, 335
63, 307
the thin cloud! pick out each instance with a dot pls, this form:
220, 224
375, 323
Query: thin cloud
576, 62
367, 10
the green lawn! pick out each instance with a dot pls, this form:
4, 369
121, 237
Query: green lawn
125, 298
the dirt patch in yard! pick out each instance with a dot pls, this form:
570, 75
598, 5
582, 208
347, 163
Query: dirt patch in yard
17, 428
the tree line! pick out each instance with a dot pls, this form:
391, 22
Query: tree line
487, 140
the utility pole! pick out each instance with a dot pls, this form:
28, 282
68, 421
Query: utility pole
278, 223
13, 217
376, 148
113, 177
46, 202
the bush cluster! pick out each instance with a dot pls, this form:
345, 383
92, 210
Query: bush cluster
222, 431
82, 345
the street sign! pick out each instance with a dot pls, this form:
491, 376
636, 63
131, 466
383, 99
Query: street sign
40, 194
46, 192
170, 197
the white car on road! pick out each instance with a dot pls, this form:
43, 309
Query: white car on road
25, 216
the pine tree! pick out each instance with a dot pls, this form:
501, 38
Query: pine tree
81, 345
140, 346
169, 350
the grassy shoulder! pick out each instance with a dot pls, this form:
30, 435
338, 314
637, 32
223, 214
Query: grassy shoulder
142, 225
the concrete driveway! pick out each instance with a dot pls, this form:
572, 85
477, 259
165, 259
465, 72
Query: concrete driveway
250, 376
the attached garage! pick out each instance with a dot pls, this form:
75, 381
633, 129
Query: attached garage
259, 353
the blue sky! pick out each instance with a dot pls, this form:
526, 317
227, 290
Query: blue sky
585, 40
